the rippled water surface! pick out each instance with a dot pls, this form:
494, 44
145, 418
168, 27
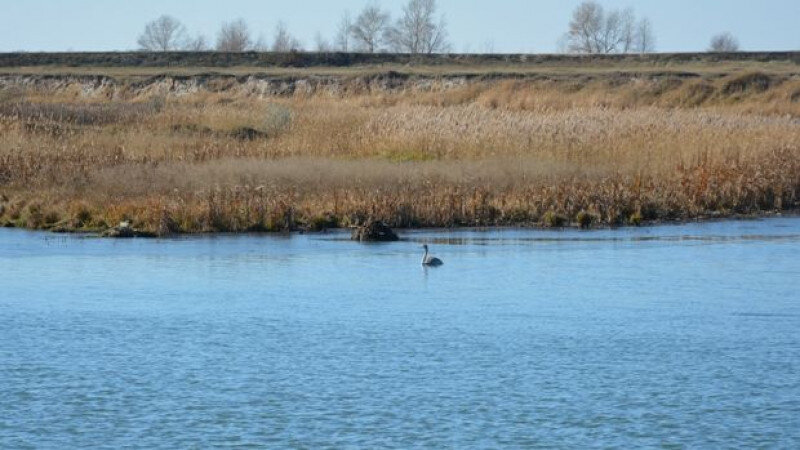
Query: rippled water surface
638, 337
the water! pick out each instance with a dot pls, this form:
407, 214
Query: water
666, 336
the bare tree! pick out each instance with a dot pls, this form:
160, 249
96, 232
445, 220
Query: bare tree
417, 32
724, 43
284, 41
563, 44
343, 32
234, 37
612, 37
627, 30
261, 44
586, 28
162, 35
369, 28
592, 30
321, 44
645, 40
196, 44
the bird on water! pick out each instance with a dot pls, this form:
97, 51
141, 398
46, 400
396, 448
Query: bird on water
428, 260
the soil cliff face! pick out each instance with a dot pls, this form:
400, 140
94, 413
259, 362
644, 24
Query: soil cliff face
129, 75
100, 86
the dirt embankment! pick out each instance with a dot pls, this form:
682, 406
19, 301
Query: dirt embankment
102, 86
105, 87
126, 75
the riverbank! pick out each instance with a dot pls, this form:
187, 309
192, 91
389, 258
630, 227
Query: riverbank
114, 232
593, 145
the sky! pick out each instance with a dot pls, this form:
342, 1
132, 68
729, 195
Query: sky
510, 26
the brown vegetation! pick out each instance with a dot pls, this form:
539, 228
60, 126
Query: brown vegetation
580, 151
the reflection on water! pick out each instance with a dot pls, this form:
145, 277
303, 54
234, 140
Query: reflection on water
524, 240
665, 336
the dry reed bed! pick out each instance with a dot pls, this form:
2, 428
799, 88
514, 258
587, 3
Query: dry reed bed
508, 153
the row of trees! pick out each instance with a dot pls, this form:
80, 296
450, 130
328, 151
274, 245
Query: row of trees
167, 34
594, 30
418, 30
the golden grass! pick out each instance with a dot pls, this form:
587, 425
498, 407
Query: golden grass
543, 152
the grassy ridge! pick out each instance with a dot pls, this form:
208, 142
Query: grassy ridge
578, 150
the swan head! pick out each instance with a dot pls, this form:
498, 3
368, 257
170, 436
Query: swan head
425, 246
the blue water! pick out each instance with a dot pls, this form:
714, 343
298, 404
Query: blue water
668, 336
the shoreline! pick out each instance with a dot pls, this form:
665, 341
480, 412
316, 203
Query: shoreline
140, 234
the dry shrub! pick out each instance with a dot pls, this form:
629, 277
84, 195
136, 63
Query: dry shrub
693, 94
748, 82
82, 114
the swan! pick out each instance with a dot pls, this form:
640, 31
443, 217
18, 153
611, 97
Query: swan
428, 260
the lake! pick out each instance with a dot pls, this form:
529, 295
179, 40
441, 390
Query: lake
676, 335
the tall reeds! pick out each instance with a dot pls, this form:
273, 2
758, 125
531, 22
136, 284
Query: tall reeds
548, 152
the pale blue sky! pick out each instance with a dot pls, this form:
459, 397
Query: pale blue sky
511, 25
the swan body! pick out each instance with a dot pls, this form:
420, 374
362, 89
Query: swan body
428, 260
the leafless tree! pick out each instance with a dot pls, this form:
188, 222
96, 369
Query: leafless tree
321, 44
723, 43
196, 44
613, 37
627, 30
586, 28
260, 45
284, 41
162, 35
369, 28
343, 32
645, 40
234, 37
592, 30
563, 44
416, 30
